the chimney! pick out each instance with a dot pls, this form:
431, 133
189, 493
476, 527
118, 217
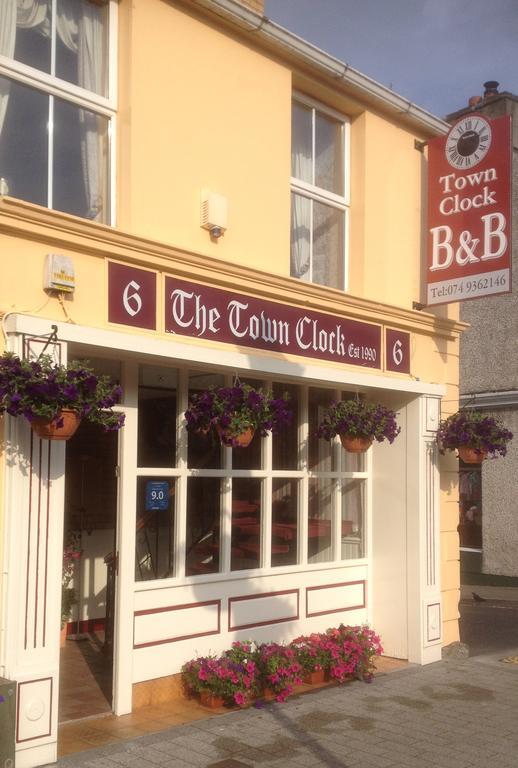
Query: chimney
491, 88
254, 5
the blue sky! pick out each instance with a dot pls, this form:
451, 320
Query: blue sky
437, 53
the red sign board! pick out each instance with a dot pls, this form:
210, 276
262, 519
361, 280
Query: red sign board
397, 351
469, 210
204, 312
131, 296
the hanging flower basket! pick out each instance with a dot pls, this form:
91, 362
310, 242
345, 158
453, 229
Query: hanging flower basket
54, 398
242, 440
358, 424
471, 455
61, 427
237, 412
474, 434
355, 444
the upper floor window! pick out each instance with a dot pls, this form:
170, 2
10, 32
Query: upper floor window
319, 200
55, 111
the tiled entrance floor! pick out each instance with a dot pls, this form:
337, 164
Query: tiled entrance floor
85, 686
94, 732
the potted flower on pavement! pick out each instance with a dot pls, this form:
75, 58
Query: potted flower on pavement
54, 398
313, 657
358, 423
353, 651
474, 434
228, 679
237, 412
279, 670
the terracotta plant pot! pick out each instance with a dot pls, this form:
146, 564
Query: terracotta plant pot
355, 444
63, 637
317, 676
240, 441
471, 455
210, 700
49, 429
269, 694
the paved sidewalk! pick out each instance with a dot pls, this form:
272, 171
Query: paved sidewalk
508, 594
452, 714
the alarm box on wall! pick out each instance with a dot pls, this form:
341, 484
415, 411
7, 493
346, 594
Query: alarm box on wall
59, 273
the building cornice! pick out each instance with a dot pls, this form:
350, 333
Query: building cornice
338, 73
60, 230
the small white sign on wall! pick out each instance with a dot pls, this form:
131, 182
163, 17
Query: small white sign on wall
59, 273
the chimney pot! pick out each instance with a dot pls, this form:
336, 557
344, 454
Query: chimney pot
491, 87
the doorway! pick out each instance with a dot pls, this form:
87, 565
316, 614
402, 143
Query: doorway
89, 572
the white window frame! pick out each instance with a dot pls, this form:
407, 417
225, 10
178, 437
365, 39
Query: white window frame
320, 195
181, 472
69, 92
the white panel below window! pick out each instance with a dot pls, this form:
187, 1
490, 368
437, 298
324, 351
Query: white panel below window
260, 610
176, 623
334, 598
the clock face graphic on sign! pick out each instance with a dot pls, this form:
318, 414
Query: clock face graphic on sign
468, 142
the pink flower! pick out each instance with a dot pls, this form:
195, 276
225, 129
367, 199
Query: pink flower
239, 698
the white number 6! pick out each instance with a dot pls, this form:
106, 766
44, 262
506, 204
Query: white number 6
397, 352
132, 301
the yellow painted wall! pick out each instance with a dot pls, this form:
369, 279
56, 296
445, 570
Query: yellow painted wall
386, 211
201, 110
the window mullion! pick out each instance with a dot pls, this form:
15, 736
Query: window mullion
226, 523
266, 513
53, 38
313, 145
304, 482
336, 513
50, 154
336, 522
311, 233
181, 463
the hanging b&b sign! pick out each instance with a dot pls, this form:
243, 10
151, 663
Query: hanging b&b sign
469, 210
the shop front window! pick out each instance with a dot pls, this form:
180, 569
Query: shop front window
154, 554
287, 500
285, 521
156, 446
245, 541
320, 520
204, 450
203, 530
353, 516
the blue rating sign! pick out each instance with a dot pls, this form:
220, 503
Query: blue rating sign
157, 495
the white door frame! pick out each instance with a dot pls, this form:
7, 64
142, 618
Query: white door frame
125, 545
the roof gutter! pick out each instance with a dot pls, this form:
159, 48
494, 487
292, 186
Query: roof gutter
237, 14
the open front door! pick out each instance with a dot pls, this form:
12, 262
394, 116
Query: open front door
89, 573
